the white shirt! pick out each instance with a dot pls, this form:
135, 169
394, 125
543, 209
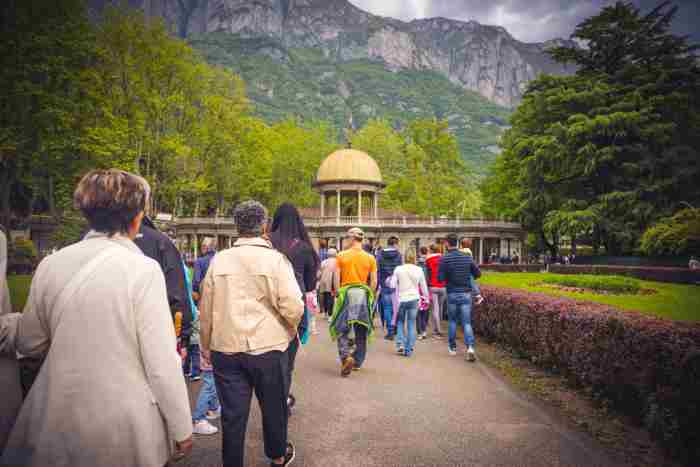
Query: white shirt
410, 280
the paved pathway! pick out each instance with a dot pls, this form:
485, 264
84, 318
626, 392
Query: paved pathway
429, 410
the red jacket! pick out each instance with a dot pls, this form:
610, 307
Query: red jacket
431, 264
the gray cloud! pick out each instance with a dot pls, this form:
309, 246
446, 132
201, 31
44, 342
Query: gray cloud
526, 20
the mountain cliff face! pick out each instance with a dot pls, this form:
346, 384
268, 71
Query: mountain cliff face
484, 59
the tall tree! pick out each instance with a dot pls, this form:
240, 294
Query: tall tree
44, 48
613, 148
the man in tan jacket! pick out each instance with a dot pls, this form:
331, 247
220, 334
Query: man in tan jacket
250, 308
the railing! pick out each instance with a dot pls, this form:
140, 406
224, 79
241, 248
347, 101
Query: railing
204, 220
369, 222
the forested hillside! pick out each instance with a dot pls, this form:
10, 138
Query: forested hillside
305, 84
124, 92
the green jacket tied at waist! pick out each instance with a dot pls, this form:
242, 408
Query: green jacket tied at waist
348, 311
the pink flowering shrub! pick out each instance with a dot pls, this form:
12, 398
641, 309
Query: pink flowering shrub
648, 368
673, 275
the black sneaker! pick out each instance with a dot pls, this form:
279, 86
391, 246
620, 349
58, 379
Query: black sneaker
288, 457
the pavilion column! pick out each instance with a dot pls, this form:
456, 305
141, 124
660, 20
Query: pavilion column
359, 206
323, 204
481, 250
376, 205
338, 199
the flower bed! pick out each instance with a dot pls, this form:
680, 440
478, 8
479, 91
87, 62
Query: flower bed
512, 267
612, 284
673, 275
648, 368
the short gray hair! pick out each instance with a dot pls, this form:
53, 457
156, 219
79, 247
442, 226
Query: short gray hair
250, 217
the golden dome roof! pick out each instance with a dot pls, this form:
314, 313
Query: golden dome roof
349, 165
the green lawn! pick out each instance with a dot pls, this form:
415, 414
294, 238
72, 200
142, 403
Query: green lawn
674, 301
19, 290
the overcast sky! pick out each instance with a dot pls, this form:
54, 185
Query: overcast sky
526, 20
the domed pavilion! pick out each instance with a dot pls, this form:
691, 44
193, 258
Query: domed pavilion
349, 182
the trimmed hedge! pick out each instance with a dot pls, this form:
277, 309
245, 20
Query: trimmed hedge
672, 275
512, 267
648, 368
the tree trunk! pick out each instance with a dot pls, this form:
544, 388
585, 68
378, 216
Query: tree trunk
596, 240
51, 197
5, 191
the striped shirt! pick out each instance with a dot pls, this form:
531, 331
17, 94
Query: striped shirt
455, 269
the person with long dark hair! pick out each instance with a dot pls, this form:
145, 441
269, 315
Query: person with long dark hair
289, 236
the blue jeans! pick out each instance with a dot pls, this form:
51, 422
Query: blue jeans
408, 312
207, 398
388, 309
459, 307
192, 361
475, 287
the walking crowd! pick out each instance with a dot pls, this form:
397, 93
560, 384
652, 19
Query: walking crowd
122, 302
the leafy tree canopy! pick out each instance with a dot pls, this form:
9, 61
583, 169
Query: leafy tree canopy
122, 91
611, 150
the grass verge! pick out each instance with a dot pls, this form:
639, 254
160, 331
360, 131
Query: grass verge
672, 301
19, 290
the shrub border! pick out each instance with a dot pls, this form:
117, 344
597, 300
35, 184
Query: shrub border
646, 367
512, 267
672, 275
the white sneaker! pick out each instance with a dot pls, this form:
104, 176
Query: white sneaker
452, 352
203, 427
470, 355
214, 414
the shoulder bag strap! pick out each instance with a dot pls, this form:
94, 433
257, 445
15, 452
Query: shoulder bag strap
74, 285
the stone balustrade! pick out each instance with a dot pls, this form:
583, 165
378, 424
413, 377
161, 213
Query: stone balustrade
404, 222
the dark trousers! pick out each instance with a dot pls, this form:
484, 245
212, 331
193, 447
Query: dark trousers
327, 302
237, 376
360, 352
191, 366
292, 356
422, 321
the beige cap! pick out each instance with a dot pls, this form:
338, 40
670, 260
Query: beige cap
355, 233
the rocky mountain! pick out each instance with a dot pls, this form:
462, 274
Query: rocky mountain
479, 58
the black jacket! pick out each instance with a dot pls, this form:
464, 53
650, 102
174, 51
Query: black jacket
158, 246
455, 270
388, 261
305, 268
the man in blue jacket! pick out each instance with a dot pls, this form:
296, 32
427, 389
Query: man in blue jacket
389, 260
456, 269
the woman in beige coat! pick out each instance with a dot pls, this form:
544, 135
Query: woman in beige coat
110, 392
11, 398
